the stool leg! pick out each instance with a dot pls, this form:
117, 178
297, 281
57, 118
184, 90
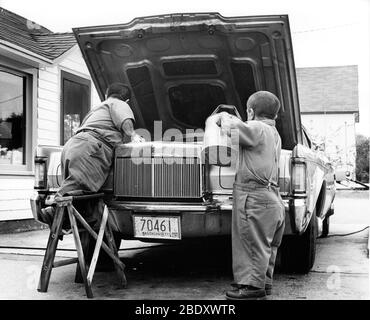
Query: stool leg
95, 236
80, 253
47, 264
99, 241
85, 242
120, 268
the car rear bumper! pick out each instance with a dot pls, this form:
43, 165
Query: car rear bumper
197, 220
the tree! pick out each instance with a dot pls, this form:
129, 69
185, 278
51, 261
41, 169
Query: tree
362, 158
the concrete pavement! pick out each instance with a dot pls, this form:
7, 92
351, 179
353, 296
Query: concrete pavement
195, 270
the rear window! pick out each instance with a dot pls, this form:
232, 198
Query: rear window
193, 103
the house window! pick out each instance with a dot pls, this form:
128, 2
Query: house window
12, 118
76, 95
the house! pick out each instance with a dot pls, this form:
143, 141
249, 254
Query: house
328, 98
45, 90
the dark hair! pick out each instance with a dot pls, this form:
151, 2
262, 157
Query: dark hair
264, 104
118, 90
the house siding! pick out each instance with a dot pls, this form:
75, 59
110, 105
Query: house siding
47, 106
16, 190
15, 193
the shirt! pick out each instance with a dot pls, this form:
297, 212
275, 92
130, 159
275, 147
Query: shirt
259, 152
106, 119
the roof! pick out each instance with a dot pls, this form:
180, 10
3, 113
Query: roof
24, 33
328, 89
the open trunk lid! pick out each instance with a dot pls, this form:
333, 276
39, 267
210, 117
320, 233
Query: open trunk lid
181, 66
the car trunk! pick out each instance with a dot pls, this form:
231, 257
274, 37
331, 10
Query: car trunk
180, 67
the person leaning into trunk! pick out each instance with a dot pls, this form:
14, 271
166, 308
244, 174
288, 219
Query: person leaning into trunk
87, 156
258, 212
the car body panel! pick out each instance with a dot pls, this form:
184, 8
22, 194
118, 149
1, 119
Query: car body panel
217, 210
319, 178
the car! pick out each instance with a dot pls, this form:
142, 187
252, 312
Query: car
182, 68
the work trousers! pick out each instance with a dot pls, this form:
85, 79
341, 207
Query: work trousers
258, 221
85, 164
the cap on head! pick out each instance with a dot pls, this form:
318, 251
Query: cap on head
264, 104
118, 90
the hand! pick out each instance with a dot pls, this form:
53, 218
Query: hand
226, 123
137, 138
217, 118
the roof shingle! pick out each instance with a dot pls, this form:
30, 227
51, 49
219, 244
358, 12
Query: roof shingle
328, 89
33, 37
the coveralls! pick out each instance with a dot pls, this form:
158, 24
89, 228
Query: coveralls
258, 212
87, 156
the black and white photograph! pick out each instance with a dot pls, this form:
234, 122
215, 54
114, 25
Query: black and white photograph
184, 151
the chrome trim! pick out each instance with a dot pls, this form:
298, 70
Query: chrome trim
158, 206
230, 192
139, 206
222, 193
226, 207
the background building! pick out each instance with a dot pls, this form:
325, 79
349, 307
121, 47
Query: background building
45, 90
328, 98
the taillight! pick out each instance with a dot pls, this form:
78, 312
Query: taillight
40, 173
299, 169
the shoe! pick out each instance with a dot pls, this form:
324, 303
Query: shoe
47, 215
246, 293
268, 289
237, 285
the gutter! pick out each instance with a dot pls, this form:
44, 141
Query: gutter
24, 53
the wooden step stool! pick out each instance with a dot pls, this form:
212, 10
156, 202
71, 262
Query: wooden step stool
64, 204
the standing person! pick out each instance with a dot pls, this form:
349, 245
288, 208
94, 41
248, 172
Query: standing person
87, 156
258, 212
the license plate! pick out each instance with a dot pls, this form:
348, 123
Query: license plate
157, 227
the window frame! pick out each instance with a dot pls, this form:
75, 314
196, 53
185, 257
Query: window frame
30, 89
74, 78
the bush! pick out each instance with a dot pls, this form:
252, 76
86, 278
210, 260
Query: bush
362, 158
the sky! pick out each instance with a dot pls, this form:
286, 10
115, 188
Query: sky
324, 32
